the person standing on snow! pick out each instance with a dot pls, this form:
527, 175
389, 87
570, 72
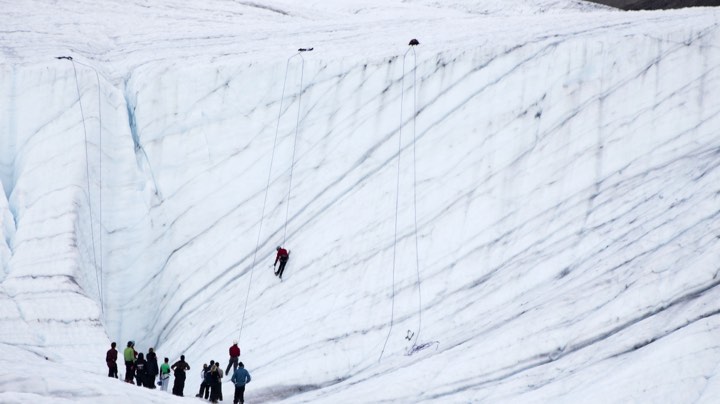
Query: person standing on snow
141, 371
165, 375
152, 368
234, 355
214, 380
111, 360
180, 367
219, 386
204, 386
282, 256
129, 354
240, 378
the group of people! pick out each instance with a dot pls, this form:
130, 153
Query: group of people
143, 370
212, 374
211, 382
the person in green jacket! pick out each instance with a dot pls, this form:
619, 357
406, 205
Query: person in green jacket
130, 356
165, 375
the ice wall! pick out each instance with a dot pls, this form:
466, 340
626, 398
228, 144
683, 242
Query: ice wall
567, 202
49, 288
567, 207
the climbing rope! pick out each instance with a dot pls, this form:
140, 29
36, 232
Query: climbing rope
98, 269
417, 250
297, 127
397, 200
397, 206
267, 185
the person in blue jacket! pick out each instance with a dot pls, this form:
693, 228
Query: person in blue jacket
240, 378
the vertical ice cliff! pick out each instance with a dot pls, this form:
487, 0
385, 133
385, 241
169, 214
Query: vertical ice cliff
50, 287
567, 207
567, 200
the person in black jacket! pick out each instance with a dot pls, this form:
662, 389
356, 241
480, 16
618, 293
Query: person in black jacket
141, 370
152, 368
214, 381
180, 367
204, 387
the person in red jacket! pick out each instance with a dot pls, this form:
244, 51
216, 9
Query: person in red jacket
234, 355
111, 360
282, 256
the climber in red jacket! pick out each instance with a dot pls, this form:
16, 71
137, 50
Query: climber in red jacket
282, 256
234, 355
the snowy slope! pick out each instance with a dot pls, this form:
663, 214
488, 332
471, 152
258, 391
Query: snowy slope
567, 197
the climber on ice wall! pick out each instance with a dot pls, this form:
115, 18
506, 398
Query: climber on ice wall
282, 256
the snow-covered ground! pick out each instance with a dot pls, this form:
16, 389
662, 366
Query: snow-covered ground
566, 157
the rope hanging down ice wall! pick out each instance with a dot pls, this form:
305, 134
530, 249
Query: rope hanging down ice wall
272, 160
292, 161
417, 250
98, 268
397, 198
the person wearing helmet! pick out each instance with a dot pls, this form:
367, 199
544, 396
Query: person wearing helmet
282, 256
234, 355
129, 355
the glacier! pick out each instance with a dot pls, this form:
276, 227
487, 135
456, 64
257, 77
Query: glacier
561, 161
